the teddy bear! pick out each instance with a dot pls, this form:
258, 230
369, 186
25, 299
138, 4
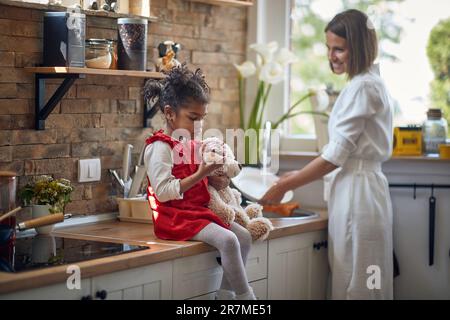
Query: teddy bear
226, 203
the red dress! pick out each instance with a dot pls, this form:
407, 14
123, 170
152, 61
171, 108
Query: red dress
184, 218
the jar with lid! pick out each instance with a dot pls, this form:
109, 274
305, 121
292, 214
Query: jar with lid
434, 131
99, 53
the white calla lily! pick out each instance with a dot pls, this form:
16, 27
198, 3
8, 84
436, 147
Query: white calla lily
266, 51
246, 69
285, 57
272, 73
323, 100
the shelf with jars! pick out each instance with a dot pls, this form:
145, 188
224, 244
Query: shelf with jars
229, 3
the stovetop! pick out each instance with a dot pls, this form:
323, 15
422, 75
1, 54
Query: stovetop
43, 251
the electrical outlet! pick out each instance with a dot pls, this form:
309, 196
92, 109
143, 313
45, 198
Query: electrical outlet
89, 170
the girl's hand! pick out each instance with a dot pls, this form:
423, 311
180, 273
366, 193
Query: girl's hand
205, 169
219, 182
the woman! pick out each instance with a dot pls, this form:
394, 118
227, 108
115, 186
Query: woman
360, 130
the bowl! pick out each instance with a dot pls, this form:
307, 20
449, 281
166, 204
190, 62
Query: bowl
253, 184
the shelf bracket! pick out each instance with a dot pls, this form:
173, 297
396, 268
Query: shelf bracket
42, 109
149, 111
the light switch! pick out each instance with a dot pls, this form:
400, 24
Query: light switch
89, 170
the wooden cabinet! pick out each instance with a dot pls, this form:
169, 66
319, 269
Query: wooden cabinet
260, 289
201, 275
196, 275
298, 266
153, 282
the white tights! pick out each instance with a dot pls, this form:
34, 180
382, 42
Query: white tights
234, 246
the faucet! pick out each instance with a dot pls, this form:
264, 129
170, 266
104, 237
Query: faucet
266, 150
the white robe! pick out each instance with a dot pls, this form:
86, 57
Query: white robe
359, 204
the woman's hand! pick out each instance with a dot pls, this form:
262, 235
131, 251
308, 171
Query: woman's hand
276, 193
288, 174
273, 196
219, 182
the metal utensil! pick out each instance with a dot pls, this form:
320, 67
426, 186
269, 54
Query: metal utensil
137, 181
432, 218
116, 177
126, 162
7, 232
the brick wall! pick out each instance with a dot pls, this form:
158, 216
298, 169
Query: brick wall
100, 114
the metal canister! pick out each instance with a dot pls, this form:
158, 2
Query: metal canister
132, 44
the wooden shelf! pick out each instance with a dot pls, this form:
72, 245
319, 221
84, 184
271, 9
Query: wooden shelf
107, 72
69, 76
88, 12
229, 3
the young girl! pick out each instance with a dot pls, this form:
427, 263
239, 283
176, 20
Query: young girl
177, 189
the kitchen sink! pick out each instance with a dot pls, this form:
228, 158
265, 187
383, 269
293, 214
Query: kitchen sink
297, 214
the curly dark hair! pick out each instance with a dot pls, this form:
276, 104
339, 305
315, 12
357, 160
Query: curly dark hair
180, 86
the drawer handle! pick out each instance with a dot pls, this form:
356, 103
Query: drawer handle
319, 245
101, 294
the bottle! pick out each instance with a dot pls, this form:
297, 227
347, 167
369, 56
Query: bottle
434, 131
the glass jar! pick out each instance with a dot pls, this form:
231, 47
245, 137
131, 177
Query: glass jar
99, 53
434, 131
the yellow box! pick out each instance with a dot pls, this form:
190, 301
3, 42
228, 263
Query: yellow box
407, 141
444, 151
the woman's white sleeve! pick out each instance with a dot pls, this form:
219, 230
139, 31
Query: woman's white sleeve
350, 122
158, 161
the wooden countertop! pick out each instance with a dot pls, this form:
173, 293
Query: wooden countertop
140, 234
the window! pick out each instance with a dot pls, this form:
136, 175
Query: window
403, 28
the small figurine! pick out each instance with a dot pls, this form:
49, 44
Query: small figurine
94, 5
167, 55
110, 5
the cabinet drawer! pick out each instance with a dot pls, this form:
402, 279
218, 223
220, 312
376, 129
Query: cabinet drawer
196, 275
257, 262
208, 296
53, 292
152, 282
201, 274
260, 289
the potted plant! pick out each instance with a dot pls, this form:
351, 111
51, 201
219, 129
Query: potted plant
270, 70
46, 195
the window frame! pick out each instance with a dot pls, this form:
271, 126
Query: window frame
259, 31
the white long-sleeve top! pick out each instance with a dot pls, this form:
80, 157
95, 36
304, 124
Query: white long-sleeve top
360, 125
159, 163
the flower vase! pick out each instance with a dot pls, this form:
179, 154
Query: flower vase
38, 211
43, 248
